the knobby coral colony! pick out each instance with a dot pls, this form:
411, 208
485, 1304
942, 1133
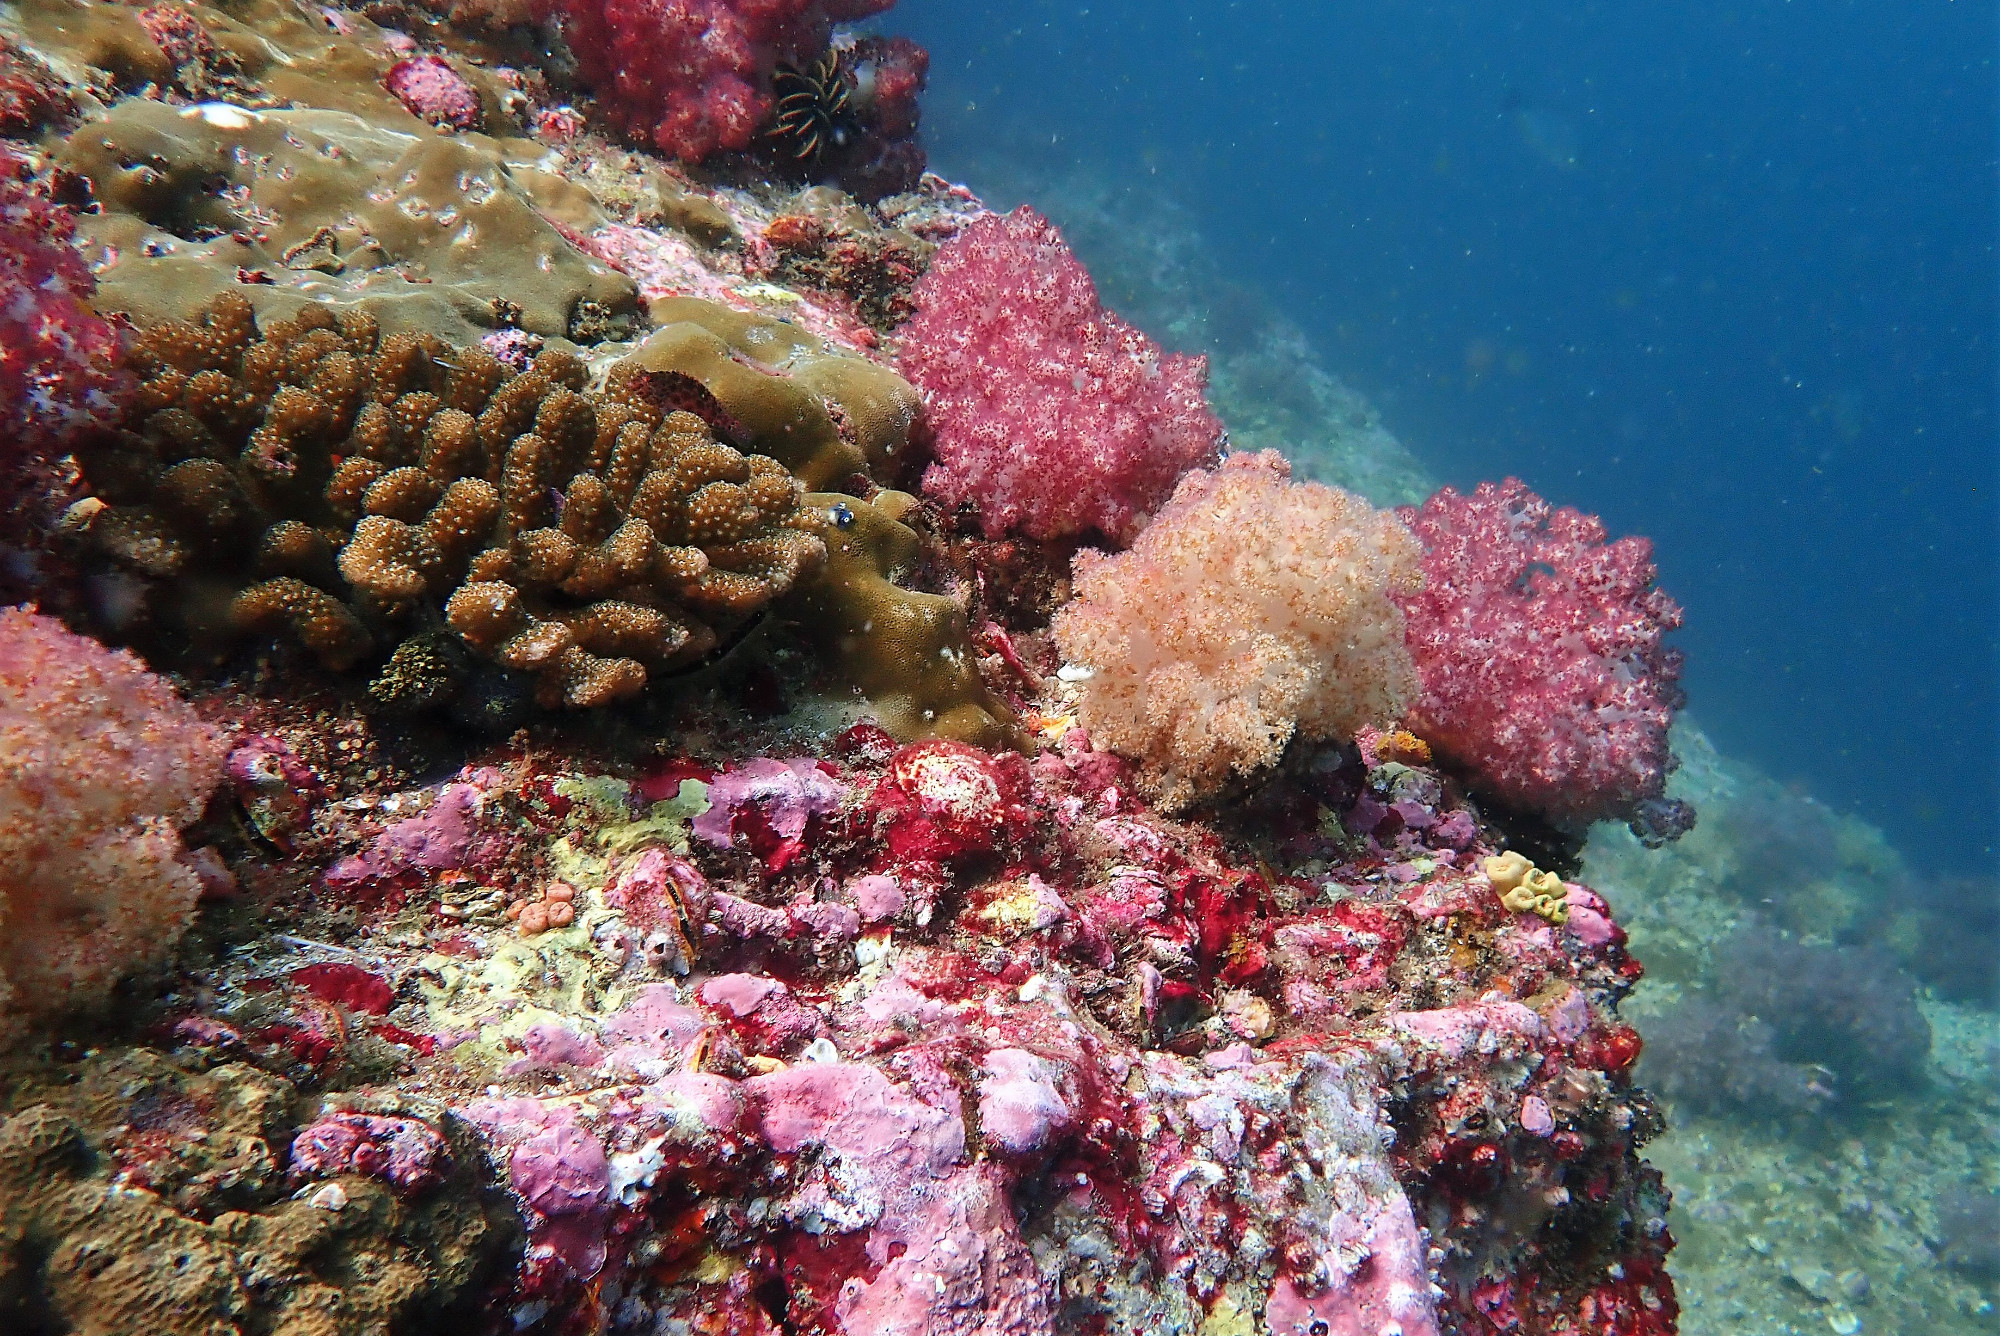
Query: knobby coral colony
1097, 956
348, 479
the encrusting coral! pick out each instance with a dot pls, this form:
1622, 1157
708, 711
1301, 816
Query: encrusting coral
120, 1221
349, 479
1252, 607
309, 205
308, 169
100, 765
907, 651
823, 414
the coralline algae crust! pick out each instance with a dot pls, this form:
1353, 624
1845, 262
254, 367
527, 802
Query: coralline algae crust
973, 1125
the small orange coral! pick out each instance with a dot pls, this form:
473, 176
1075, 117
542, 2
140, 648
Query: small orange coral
555, 909
1252, 607
1397, 744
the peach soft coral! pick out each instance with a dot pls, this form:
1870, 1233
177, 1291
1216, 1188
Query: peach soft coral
100, 765
1252, 607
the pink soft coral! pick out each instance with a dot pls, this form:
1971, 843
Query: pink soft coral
1051, 414
57, 357
435, 92
1539, 646
100, 764
693, 77
885, 158
1251, 607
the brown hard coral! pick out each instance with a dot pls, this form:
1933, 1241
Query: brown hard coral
372, 211
907, 651
351, 483
823, 414
139, 1196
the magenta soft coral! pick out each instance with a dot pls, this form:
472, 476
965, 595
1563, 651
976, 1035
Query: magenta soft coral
1539, 646
58, 374
693, 77
1051, 415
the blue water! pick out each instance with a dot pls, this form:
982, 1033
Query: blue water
1722, 273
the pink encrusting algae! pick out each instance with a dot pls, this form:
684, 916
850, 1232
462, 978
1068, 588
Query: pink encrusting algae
1074, 1024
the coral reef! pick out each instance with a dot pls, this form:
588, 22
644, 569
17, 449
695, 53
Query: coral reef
1540, 650
882, 1039
100, 765
58, 358
339, 486
1253, 607
344, 478
1052, 416
854, 983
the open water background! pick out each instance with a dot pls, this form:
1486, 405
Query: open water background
1723, 273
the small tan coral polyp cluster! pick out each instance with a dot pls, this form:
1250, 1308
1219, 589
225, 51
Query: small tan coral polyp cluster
1251, 607
351, 480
